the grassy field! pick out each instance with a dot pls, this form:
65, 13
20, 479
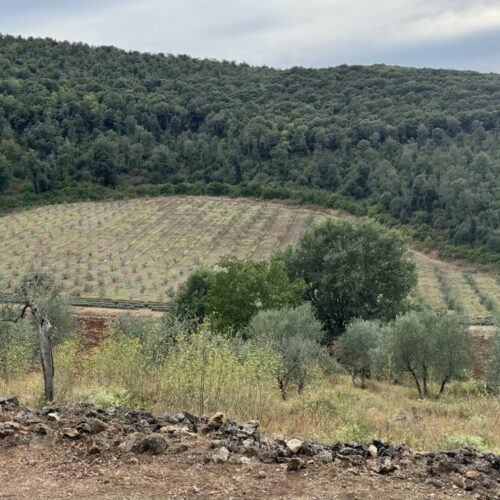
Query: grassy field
143, 249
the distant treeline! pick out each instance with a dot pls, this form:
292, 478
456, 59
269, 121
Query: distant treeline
412, 146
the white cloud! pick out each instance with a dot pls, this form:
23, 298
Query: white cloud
272, 32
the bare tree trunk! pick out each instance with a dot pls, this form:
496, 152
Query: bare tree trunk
443, 385
44, 327
417, 383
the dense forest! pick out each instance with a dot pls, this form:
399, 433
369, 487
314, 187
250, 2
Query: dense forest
419, 145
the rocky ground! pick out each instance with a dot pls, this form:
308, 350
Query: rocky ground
83, 451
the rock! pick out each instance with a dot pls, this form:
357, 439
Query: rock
132, 443
294, 445
295, 464
247, 443
261, 474
245, 461
373, 451
42, 430
97, 426
472, 474
217, 418
53, 417
324, 457
70, 433
9, 404
221, 455
83, 427
387, 467
154, 443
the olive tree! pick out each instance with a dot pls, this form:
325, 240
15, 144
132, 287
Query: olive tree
39, 297
296, 336
358, 348
431, 346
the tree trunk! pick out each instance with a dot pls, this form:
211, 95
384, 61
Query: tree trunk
425, 380
412, 371
44, 327
443, 385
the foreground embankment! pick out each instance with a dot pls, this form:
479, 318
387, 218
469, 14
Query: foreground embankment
84, 450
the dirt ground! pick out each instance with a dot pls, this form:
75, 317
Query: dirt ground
28, 472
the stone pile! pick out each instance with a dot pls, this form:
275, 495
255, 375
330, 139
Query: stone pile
219, 440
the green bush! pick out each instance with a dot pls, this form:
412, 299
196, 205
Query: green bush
358, 347
453, 442
18, 348
296, 336
207, 371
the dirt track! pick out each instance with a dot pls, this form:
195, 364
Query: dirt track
54, 473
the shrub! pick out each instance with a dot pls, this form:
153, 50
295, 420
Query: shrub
189, 301
207, 371
453, 442
296, 336
358, 348
18, 348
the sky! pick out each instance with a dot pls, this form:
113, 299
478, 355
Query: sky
459, 34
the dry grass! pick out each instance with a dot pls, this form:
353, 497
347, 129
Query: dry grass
333, 410
144, 248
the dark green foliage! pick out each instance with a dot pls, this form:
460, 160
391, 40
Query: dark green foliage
352, 269
189, 301
416, 146
296, 336
241, 288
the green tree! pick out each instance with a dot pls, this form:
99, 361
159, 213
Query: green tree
296, 336
189, 301
431, 346
352, 269
357, 348
39, 295
241, 288
5, 173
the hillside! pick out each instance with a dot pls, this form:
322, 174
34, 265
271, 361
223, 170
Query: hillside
420, 146
143, 249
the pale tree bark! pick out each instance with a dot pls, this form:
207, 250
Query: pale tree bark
45, 342
45, 345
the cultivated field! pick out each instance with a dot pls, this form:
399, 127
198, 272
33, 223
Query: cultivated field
143, 249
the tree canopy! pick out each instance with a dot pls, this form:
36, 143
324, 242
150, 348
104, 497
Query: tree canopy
420, 145
352, 269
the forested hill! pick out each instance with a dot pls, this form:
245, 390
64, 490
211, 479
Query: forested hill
422, 145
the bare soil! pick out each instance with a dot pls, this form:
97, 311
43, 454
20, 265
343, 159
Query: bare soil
55, 472
82, 451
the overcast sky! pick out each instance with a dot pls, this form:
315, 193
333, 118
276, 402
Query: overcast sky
462, 34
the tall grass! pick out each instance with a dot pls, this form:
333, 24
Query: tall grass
206, 372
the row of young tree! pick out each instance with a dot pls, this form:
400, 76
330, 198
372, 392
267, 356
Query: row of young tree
345, 281
420, 145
